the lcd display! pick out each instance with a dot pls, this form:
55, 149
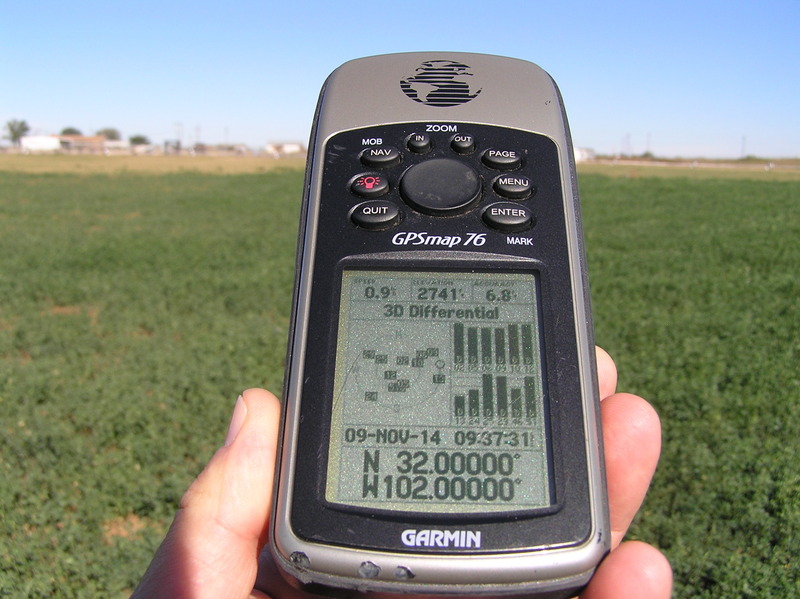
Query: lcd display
438, 399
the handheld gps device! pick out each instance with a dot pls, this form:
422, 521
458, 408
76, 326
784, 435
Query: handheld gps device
440, 427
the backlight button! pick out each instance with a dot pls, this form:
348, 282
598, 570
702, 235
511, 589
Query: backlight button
369, 185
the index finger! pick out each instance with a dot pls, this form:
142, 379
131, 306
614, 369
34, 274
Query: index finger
606, 373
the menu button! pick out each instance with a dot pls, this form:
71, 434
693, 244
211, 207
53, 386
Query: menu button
515, 187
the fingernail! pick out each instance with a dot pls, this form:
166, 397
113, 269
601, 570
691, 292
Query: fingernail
237, 420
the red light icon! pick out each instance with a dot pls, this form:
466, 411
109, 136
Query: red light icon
369, 185
368, 182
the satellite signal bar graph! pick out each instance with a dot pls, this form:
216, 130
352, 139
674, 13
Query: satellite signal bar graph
488, 345
496, 402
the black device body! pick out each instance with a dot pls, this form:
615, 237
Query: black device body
441, 421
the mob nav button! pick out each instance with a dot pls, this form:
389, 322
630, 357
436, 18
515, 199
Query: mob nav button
375, 215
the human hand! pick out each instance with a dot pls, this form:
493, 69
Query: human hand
632, 444
212, 548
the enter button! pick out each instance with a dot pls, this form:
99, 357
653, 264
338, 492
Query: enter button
508, 216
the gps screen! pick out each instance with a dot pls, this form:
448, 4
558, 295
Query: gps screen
438, 401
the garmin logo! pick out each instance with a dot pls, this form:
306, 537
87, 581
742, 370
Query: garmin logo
460, 539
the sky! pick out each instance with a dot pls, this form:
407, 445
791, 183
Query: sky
696, 78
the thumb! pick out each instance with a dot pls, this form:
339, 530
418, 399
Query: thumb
212, 547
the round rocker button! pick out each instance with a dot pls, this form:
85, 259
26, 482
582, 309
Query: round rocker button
375, 215
369, 185
380, 157
440, 186
515, 187
502, 160
508, 217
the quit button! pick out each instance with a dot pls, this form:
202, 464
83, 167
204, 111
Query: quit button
375, 215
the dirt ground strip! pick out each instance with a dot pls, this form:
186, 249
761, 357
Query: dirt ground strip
778, 170
97, 164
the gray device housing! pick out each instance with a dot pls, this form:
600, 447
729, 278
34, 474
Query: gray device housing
513, 94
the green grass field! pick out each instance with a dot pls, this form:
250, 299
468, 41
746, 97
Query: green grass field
696, 293
135, 306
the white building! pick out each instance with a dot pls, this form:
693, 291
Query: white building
33, 144
584, 154
285, 149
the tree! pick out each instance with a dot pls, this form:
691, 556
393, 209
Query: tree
16, 130
110, 134
139, 140
70, 131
